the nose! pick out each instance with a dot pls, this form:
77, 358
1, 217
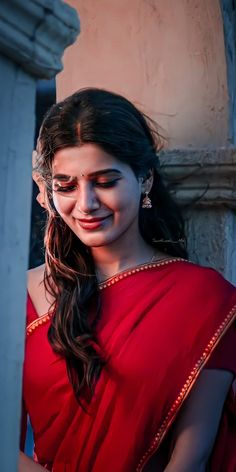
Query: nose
87, 200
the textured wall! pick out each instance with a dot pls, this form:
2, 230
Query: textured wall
229, 16
168, 56
204, 184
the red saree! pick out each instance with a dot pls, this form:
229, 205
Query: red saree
159, 327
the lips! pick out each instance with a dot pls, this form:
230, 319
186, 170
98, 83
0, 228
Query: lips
92, 223
92, 220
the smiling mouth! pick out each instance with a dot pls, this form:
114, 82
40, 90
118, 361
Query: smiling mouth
92, 223
92, 220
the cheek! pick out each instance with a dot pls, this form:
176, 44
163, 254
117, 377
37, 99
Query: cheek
127, 200
64, 206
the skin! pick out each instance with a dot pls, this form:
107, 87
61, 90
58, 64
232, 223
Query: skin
28, 465
196, 428
110, 241
82, 196
194, 431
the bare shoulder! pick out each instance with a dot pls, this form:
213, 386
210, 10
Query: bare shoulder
35, 279
36, 274
37, 292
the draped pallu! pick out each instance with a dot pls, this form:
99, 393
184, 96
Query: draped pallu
160, 325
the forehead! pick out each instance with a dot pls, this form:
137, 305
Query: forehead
85, 160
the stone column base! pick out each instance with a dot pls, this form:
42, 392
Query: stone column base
203, 182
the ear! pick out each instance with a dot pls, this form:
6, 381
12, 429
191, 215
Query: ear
147, 182
41, 197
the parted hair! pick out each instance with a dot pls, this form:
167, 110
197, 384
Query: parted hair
114, 124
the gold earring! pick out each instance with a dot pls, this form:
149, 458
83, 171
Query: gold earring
147, 202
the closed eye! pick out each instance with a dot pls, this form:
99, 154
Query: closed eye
66, 188
71, 187
110, 183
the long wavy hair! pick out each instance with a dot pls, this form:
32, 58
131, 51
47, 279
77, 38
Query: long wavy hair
120, 129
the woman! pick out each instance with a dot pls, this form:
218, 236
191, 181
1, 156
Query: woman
128, 362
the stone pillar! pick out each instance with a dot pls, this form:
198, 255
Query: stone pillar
229, 22
203, 182
33, 36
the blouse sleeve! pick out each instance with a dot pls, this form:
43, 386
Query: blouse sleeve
224, 355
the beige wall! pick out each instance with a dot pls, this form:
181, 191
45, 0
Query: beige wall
166, 55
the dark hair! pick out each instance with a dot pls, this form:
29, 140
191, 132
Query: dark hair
119, 128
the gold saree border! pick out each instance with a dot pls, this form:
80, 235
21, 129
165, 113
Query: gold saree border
184, 392
126, 273
40, 321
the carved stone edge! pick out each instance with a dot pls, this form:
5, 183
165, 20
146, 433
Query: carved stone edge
34, 34
202, 177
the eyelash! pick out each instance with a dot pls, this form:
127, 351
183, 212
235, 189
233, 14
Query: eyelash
71, 188
65, 189
110, 183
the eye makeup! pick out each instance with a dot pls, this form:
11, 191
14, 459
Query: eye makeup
106, 184
71, 186
104, 178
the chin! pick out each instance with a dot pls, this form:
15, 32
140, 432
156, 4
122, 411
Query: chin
96, 240
92, 241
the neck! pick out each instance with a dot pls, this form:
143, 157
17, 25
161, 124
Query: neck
114, 258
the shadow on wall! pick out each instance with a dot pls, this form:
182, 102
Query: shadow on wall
45, 98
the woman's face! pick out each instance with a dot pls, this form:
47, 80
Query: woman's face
96, 195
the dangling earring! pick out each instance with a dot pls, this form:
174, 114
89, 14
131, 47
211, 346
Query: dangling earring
146, 203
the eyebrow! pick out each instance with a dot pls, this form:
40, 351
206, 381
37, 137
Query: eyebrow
65, 178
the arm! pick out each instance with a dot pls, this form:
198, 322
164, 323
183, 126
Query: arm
196, 428
28, 465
